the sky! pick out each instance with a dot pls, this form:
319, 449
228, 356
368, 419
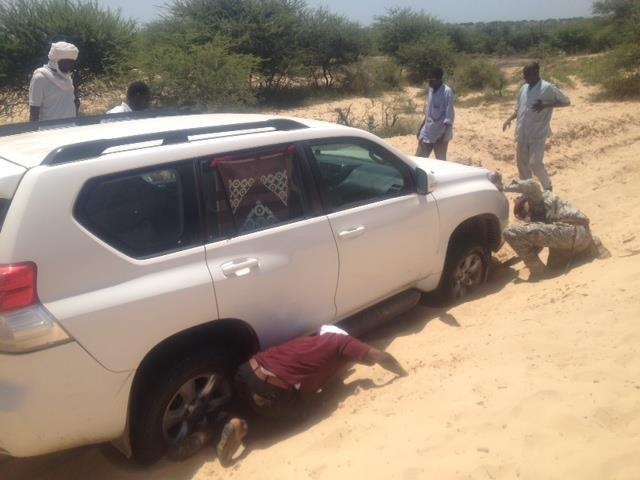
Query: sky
364, 11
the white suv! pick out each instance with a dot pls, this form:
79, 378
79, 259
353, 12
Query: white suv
141, 260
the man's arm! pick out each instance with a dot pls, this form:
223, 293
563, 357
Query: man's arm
560, 100
34, 113
449, 111
514, 115
36, 96
385, 360
420, 129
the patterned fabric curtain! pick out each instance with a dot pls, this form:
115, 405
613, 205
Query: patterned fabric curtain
258, 188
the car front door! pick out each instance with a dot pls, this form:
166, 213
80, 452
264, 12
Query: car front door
386, 233
273, 259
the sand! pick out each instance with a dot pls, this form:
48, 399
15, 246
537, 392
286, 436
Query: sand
524, 381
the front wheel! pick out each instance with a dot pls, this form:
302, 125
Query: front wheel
178, 402
465, 269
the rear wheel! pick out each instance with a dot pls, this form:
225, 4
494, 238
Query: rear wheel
465, 269
177, 402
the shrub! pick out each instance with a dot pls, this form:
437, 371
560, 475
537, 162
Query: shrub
384, 119
619, 73
478, 75
205, 75
265, 29
371, 76
403, 26
425, 54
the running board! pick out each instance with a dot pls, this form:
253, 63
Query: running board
376, 316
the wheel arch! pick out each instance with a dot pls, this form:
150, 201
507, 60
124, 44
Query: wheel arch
231, 334
485, 227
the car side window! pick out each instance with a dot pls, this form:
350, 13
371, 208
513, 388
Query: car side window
355, 172
249, 191
142, 213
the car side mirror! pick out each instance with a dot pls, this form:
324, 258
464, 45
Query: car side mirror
422, 180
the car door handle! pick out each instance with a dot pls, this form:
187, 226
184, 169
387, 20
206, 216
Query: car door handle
239, 267
352, 232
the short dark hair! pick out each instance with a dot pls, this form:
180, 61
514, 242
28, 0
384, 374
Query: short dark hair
138, 89
532, 67
436, 72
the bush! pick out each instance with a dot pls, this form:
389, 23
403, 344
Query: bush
618, 72
478, 75
403, 26
425, 54
371, 76
328, 43
384, 119
265, 29
27, 28
185, 73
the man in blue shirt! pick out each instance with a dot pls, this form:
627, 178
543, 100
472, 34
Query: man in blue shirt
536, 101
436, 129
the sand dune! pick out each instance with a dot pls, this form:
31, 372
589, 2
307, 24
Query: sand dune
525, 381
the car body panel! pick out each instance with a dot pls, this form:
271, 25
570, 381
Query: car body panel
291, 287
59, 398
117, 308
394, 247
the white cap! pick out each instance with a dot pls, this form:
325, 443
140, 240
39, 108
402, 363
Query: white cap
63, 51
324, 329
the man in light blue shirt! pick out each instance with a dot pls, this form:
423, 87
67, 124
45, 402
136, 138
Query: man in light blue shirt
536, 101
436, 129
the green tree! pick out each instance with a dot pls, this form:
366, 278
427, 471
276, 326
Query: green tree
266, 29
188, 69
27, 27
328, 43
425, 54
402, 27
478, 75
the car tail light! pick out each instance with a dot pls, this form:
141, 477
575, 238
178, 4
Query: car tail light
17, 286
25, 325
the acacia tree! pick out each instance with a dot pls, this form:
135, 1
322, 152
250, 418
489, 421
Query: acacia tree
328, 43
416, 40
187, 67
266, 29
404, 26
27, 27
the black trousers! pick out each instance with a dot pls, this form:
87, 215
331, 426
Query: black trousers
266, 400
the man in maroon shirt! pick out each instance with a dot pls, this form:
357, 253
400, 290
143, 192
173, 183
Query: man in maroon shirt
274, 383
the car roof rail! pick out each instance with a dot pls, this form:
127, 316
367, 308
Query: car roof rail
27, 127
95, 148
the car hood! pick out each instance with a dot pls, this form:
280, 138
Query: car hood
442, 172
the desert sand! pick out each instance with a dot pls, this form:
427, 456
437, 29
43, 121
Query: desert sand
526, 380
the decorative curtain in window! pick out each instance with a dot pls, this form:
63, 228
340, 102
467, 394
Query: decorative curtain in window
258, 188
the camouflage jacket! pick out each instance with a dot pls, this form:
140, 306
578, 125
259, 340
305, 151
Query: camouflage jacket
546, 206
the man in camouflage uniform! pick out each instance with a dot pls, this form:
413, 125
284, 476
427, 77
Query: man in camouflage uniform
549, 222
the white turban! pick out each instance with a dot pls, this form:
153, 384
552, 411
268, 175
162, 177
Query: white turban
63, 51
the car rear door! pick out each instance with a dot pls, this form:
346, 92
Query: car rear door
386, 233
273, 259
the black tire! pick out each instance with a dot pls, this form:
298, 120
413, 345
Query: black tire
465, 269
178, 393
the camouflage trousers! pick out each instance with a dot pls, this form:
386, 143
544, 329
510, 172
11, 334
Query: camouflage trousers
527, 239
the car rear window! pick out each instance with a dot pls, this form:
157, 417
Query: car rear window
141, 213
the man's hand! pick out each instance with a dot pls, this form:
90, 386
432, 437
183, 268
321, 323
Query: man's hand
420, 128
540, 106
507, 124
386, 361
